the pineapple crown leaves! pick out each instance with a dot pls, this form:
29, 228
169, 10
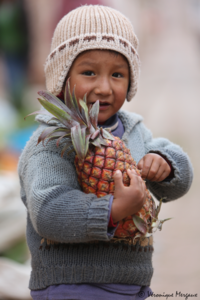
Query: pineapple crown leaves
80, 141
79, 123
156, 223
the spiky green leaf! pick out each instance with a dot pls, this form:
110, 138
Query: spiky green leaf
159, 207
67, 96
65, 148
51, 139
60, 138
55, 135
140, 224
45, 133
138, 235
84, 111
95, 134
106, 135
161, 223
102, 141
96, 142
71, 101
75, 103
153, 208
53, 99
38, 112
93, 113
86, 144
78, 141
85, 98
61, 115
56, 101
147, 235
53, 119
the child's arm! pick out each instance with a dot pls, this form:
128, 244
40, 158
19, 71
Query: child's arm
58, 209
169, 187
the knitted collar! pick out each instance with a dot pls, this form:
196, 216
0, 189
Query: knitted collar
111, 123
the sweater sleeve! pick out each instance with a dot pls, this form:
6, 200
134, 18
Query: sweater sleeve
180, 183
58, 209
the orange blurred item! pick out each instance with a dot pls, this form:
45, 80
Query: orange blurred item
8, 160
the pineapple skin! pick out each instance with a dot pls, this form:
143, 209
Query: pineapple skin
95, 175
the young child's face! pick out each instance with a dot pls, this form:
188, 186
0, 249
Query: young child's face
104, 76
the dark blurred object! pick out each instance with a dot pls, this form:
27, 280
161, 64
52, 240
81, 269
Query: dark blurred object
14, 47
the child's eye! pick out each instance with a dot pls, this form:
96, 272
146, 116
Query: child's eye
88, 73
117, 75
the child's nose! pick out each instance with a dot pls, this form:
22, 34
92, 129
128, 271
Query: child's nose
103, 87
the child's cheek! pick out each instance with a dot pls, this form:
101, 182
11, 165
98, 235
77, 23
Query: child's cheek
84, 86
120, 95
80, 88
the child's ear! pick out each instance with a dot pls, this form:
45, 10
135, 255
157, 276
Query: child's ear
128, 89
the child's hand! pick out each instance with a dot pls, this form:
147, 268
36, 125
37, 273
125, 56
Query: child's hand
154, 167
127, 200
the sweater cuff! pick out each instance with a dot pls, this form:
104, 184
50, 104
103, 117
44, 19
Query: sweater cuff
98, 219
111, 226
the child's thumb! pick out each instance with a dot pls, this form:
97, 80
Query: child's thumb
118, 179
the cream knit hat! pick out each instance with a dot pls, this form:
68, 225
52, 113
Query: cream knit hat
86, 28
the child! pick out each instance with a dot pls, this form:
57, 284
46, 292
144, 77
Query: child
70, 233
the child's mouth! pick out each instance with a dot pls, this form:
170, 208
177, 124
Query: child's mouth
103, 105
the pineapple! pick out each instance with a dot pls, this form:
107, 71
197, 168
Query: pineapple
98, 155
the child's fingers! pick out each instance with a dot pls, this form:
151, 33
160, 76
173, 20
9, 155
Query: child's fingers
155, 170
118, 180
153, 167
147, 162
132, 173
135, 180
137, 184
162, 173
158, 174
163, 176
140, 164
159, 169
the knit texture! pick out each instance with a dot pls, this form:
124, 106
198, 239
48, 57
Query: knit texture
59, 211
86, 28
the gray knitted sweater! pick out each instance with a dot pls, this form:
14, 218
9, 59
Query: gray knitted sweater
59, 211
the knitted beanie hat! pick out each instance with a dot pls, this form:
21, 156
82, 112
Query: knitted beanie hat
85, 28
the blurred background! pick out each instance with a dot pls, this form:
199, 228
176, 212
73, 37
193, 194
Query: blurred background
168, 98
